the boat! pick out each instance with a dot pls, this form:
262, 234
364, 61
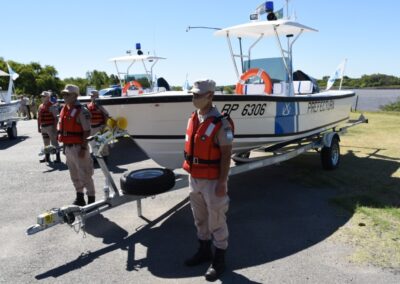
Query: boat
8, 106
137, 84
129, 83
269, 106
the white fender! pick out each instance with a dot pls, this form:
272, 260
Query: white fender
328, 137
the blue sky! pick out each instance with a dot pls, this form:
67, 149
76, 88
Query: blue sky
76, 36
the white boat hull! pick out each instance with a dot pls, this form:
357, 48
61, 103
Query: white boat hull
9, 111
158, 123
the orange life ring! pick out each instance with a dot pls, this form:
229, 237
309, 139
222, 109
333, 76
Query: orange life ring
251, 73
130, 84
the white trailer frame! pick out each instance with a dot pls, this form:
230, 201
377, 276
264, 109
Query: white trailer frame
76, 215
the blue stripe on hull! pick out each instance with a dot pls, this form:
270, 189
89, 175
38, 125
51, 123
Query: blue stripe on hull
286, 119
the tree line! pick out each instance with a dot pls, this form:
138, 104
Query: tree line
366, 81
35, 78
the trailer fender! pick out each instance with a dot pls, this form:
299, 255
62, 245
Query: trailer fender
328, 137
147, 182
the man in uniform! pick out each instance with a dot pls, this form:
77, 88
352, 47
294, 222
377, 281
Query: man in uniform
74, 128
22, 107
47, 125
34, 109
208, 147
98, 121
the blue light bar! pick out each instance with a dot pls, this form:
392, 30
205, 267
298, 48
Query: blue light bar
269, 6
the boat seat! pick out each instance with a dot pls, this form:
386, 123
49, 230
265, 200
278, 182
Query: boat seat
253, 89
300, 88
278, 88
303, 87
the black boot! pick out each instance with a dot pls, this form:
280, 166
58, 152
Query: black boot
202, 255
80, 200
58, 159
217, 267
91, 199
46, 159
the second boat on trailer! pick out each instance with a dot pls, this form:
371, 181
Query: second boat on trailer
274, 112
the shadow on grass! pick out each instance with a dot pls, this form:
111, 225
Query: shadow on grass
360, 181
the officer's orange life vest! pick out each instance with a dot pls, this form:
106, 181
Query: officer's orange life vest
70, 131
98, 117
202, 155
45, 117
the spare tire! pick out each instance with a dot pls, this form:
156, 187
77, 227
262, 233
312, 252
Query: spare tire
147, 182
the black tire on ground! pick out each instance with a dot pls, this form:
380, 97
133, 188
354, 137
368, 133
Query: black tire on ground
330, 156
147, 182
12, 131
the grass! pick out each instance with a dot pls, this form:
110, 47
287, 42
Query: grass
395, 106
368, 186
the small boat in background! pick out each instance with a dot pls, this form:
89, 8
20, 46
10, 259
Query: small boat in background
136, 84
8, 106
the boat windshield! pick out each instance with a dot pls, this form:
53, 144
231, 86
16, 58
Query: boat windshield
273, 66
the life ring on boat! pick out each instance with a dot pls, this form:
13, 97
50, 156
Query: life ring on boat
260, 73
130, 84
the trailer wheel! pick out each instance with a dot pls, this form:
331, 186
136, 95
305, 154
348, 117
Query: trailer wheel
330, 156
147, 182
12, 131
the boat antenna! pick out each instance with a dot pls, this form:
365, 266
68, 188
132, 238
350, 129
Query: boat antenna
287, 8
202, 27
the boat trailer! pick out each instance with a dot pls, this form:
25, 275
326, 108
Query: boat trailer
327, 143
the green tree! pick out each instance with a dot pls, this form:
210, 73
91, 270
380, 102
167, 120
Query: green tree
176, 88
99, 79
114, 80
228, 90
82, 83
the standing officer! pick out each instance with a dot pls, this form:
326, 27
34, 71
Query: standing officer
97, 122
47, 125
74, 128
208, 148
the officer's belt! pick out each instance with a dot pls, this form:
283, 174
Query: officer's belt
96, 125
67, 133
195, 161
70, 145
49, 124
